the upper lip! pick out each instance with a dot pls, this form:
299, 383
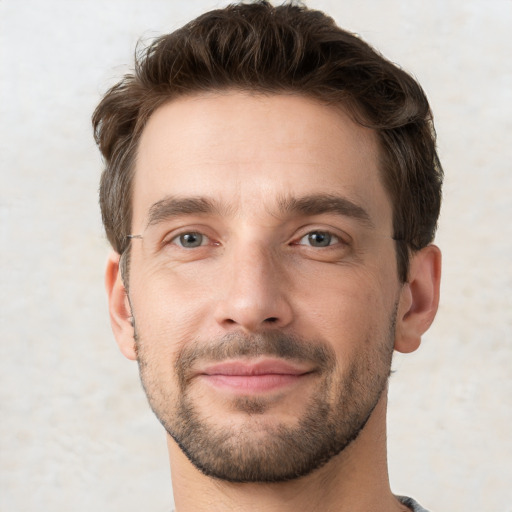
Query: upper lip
255, 367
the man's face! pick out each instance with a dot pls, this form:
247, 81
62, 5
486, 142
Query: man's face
264, 289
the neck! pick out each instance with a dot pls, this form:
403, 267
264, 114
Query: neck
356, 480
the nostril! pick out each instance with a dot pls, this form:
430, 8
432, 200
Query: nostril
271, 320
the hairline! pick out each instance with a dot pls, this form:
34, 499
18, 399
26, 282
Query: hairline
346, 106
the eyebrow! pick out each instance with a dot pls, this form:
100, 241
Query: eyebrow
318, 204
315, 204
174, 206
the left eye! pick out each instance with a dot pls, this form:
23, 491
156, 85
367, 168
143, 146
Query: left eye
190, 240
319, 239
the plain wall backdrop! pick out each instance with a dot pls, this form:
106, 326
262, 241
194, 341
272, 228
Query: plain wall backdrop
75, 430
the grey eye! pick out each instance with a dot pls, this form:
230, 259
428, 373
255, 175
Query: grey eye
190, 240
319, 239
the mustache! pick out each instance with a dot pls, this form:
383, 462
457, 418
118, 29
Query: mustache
239, 345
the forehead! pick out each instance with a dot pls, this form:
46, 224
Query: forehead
247, 151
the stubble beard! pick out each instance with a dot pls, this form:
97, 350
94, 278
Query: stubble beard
259, 450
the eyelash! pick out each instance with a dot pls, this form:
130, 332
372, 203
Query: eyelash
171, 240
297, 241
331, 237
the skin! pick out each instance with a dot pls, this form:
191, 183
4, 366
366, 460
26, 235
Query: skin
257, 272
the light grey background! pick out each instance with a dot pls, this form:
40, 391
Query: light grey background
75, 430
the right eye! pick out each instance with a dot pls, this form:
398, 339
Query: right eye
190, 240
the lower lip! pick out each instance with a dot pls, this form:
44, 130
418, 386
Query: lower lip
244, 384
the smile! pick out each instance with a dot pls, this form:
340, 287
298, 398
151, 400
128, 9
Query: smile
248, 377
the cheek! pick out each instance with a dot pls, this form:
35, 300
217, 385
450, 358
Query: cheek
350, 309
169, 309
345, 304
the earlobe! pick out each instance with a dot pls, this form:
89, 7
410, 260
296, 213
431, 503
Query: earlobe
419, 299
119, 308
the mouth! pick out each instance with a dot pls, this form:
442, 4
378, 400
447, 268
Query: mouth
254, 376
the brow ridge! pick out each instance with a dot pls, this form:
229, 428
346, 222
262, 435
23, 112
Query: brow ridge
314, 204
172, 206
317, 204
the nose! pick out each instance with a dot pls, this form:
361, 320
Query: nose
254, 291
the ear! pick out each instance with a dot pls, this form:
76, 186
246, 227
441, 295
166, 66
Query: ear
119, 308
419, 299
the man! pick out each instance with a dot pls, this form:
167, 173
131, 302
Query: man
271, 194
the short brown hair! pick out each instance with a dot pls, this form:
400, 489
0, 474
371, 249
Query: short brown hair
268, 49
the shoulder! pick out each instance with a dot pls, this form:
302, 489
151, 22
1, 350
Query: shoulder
413, 505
